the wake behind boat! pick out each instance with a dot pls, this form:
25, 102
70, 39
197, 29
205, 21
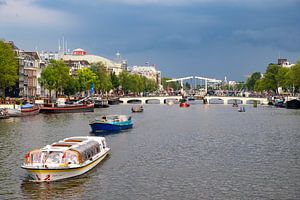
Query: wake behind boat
67, 158
111, 123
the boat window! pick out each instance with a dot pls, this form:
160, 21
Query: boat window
36, 157
54, 157
71, 158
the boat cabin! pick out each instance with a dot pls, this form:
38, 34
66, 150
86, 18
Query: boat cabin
66, 152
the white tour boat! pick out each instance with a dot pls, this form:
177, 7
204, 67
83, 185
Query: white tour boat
67, 158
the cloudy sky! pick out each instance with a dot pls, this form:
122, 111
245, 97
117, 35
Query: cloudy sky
213, 38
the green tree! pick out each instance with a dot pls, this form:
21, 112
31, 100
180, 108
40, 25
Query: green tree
72, 87
8, 67
295, 76
165, 84
269, 81
55, 76
250, 83
150, 85
86, 78
103, 82
115, 80
124, 78
48, 79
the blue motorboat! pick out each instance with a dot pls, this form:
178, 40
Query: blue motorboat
111, 123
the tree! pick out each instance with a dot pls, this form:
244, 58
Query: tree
115, 80
55, 76
8, 67
250, 83
72, 87
150, 85
103, 82
125, 81
269, 81
174, 85
295, 76
86, 78
48, 79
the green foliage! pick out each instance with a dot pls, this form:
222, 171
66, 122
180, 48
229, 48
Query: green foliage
55, 76
295, 76
115, 81
103, 82
150, 85
8, 66
72, 87
174, 85
136, 83
250, 83
86, 78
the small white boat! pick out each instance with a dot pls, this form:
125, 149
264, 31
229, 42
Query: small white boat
67, 158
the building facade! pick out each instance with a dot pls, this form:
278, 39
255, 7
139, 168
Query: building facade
149, 72
80, 59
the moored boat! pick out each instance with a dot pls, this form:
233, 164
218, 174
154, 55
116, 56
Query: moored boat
65, 159
111, 123
293, 104
4, 113
29, 109
62, 106
137, 109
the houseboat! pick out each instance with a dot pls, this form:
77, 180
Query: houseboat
25, 110
63, 106
65, 159
111, 123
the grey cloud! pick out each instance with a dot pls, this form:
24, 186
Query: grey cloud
286, 38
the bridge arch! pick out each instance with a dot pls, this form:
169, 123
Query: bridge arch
216, 100
234, 100
134, 101
251, 101
152, 101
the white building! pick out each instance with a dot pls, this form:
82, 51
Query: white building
80, 59
149, 72
284, 62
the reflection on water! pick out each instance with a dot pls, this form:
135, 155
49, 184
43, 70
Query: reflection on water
200, 152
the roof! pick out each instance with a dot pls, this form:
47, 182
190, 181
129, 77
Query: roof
79, 49
72, 143
91, 59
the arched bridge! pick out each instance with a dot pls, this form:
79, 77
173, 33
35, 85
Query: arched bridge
145, 100
239, 100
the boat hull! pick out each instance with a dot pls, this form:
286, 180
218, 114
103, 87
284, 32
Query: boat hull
293, 104
184, 105
98, 127
46, 175
68, 109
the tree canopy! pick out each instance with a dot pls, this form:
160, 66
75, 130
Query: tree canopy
8, 67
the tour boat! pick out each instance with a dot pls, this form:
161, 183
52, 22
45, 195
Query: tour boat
65, 159
111, 123
137, 109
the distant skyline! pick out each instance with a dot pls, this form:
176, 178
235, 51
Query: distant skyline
213, 38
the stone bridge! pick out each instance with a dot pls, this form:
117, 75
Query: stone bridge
146, 100
239, 100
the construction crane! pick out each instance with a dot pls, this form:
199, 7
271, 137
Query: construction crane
207, 80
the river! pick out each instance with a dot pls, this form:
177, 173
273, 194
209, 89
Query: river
200, 152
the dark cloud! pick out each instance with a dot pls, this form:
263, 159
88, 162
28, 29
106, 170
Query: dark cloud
188, 37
